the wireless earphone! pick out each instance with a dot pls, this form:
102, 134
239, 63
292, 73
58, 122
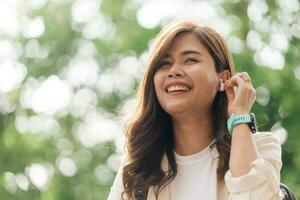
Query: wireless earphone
222, 86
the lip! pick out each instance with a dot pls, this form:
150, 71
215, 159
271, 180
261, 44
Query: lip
181, 83
177, 93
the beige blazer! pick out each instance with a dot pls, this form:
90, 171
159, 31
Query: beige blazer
260, 183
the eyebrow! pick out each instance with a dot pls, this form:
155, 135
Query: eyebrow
186, 52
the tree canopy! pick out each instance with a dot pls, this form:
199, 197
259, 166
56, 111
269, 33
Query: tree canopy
69, 71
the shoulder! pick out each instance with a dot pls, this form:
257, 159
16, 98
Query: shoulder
117, 187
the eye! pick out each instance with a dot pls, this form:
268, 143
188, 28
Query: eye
191, 60
164, 63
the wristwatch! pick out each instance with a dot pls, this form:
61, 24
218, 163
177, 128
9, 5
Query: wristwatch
249, 119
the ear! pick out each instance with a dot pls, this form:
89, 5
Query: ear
223, 76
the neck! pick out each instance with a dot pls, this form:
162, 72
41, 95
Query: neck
192, 133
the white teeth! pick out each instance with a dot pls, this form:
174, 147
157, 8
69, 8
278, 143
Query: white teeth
177, 88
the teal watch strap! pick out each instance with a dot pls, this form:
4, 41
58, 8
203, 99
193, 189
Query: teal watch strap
237, 119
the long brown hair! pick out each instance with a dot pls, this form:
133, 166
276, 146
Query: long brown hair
149, 133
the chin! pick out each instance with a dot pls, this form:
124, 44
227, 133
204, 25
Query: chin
175, 109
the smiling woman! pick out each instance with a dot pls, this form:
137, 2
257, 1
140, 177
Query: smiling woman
189, 64
179, 145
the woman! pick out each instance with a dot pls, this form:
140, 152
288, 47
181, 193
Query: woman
191, 133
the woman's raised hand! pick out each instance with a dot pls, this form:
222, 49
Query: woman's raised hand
241, 99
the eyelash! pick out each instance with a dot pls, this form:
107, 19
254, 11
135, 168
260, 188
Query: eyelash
192, 59
163, 63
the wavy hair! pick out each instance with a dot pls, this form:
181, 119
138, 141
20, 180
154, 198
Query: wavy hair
149, 134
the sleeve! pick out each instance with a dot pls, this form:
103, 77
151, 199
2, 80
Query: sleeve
262, 181
117, 187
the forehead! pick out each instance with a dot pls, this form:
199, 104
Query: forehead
185, 41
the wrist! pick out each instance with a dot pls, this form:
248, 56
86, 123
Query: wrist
235, 119
240, 111
239, 127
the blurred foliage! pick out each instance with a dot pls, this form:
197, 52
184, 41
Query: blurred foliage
70, 167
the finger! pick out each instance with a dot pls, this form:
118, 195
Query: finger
230, 93
234, 81
245, 76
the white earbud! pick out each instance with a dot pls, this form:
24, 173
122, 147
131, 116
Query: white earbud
222, 86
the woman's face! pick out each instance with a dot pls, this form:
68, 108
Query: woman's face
186, 80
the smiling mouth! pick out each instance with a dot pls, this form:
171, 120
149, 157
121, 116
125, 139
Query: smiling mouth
177, 91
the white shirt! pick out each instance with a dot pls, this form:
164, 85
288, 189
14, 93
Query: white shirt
194, 176
261, 182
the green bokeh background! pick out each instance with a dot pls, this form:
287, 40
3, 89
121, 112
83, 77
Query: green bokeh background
119, 38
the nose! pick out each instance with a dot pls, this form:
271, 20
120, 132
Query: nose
175, 71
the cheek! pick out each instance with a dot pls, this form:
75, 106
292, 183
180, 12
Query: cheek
212, 87
157, 82
213, 81
206, 83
